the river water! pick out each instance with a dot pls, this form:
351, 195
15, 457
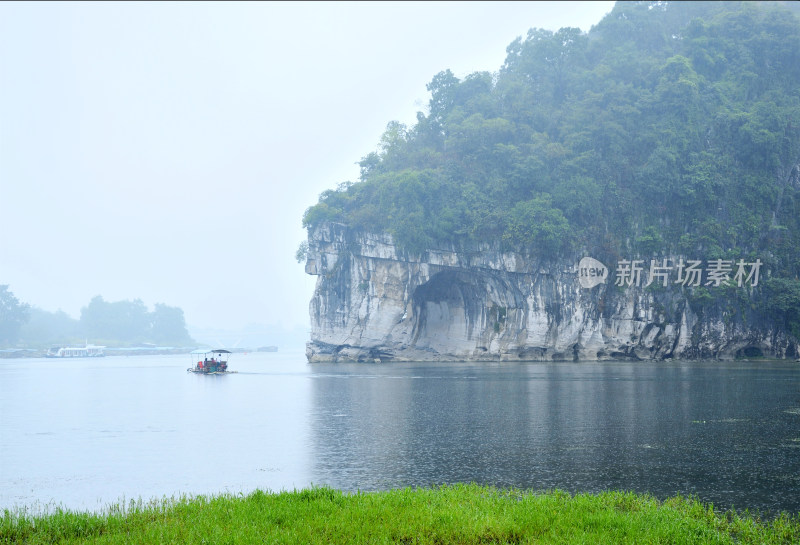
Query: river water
85, 433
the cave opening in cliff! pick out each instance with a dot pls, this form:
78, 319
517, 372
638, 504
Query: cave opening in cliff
446, 308
749, 352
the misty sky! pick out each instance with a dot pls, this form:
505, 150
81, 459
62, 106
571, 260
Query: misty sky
167, 151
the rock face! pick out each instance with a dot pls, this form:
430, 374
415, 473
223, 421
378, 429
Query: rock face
374, 302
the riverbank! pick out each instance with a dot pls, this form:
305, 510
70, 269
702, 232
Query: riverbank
450, 514
125, 351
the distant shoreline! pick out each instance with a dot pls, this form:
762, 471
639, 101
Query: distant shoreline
131, 351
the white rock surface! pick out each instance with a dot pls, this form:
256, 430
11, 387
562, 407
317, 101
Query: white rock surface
374, 302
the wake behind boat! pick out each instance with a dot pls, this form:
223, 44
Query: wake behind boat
210, 362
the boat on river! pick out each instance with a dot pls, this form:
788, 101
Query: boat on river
86, 351
210, 362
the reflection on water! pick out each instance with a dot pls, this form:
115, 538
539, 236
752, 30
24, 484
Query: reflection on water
85, 433
724, 432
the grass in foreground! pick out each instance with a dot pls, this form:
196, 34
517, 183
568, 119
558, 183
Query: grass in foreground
449, 514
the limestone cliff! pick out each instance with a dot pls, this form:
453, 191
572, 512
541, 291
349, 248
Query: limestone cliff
375, 302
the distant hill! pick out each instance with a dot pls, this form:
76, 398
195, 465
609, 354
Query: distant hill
252, 337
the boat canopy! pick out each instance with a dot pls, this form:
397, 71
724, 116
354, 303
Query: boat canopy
206, 351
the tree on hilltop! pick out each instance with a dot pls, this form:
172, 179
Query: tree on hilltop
13, 315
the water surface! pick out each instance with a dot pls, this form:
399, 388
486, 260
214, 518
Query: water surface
85, 433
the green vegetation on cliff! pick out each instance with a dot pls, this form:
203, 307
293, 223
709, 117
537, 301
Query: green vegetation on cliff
450, 514
671, 128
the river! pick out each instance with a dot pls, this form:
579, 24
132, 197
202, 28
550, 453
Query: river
84, 433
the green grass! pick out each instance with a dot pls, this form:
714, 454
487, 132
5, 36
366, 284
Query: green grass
458, 514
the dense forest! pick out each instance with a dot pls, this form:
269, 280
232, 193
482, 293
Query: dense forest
669, 129
119, 323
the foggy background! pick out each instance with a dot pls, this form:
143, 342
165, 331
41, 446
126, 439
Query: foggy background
167, 151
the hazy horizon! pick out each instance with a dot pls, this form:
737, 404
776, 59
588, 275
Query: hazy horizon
167, 151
